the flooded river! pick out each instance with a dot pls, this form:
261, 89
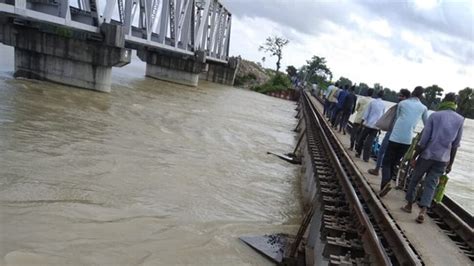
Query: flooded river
151, 174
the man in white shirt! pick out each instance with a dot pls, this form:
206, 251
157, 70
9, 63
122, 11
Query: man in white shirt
326, 99
372, 114
361, 106
332, 98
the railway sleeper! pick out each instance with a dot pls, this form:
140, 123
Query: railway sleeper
347, 260
342, 246
336, 229
336, 199
336, 210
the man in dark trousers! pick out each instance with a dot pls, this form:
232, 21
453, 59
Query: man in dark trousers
341, 98
402, 95
348, 108
437, 149
372, 114
362, 104
409, 113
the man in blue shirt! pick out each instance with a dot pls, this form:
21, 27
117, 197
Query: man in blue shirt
347, 109
437, 148
402, 95
341, 98
372, 114
409, 113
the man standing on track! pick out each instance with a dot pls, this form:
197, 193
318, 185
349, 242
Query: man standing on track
437, 148
327, 103
402, 95
348, 108
409, 113
362, 104
341, 98
372, 114
332, 98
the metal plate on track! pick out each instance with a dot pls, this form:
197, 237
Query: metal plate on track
272, 246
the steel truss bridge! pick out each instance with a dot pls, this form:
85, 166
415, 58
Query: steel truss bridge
179, 26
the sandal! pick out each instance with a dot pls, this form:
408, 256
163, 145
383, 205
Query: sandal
420, 219
405, 209
385, 189
373, 172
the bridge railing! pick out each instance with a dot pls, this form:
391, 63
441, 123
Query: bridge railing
181, 26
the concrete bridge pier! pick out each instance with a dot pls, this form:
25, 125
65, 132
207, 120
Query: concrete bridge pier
222, 73
64, 56
174, 68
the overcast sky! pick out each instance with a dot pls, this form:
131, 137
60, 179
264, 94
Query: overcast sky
400, 44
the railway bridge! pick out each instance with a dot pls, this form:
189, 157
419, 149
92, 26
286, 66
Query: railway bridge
77, 42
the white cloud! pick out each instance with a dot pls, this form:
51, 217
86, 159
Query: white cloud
357, 53
416, 40
426, 4
377, 26
381, 27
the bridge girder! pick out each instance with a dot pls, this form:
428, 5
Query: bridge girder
180, 26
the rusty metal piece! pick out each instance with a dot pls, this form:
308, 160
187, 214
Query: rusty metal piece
271, 246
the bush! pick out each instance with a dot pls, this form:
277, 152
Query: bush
279, 82
242, 80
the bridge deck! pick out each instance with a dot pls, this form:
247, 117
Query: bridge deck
433, 245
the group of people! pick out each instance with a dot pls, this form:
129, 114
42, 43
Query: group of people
340, 105
434, 153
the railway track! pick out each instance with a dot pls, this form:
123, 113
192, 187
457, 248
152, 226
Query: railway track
346, 222
453, 220
356, 228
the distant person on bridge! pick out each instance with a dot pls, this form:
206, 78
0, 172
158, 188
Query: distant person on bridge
341, 98
409, 114
327, 103
402, 95
332, 97
348, 108
437, 149
361, 106
372, 114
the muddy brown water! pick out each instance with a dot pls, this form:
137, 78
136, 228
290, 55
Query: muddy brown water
153, 173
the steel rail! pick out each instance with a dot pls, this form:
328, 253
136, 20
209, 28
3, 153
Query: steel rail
370, 240
459, 230
397, 247
453, 220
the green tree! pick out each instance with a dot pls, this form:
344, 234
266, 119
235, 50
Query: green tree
466, 103
390, 95
432, 97
274, 45
278, 82
377, 87
344, 81
362, 88
291, 71
316, 70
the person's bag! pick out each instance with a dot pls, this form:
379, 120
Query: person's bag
439, 194
385, 122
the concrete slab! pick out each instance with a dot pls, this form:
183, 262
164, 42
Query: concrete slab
433, 245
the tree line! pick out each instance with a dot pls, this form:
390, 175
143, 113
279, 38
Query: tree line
316, 71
